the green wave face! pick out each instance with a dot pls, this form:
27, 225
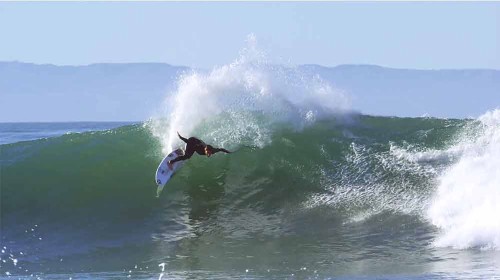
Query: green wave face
96, 189
110, 173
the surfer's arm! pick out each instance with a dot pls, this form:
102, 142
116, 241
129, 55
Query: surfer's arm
221, 150
182, 138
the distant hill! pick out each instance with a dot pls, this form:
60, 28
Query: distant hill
124, 92
403, 92
83, 93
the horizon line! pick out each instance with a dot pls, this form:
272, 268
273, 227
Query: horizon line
215, 66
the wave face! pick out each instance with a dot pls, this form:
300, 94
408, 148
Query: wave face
83, 198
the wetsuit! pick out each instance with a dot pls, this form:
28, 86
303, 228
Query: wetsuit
194, 144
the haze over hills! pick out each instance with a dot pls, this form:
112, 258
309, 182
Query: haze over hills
98, 92
123, 92
405, 92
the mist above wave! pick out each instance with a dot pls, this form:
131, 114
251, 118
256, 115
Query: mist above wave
248, 85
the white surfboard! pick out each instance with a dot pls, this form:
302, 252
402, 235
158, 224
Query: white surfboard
163, 173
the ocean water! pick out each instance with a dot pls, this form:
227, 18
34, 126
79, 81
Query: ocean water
16, 132
313, 190
373, 198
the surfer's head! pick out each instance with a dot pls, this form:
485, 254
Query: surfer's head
209, 150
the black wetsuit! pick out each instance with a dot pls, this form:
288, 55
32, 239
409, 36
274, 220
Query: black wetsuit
194, 144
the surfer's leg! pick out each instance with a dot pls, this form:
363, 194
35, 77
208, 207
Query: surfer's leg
179, 158
189, 152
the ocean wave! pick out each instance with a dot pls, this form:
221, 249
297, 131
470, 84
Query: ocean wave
94, 190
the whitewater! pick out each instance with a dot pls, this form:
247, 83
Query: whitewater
243, 100
467, 202
314, 190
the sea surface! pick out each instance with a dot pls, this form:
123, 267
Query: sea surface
25, 131
362, 197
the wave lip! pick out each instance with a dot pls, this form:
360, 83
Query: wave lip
239, 90
467, 202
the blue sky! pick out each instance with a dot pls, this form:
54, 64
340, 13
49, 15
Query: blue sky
430, 35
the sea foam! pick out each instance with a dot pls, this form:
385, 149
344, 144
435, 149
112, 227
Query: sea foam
466, 205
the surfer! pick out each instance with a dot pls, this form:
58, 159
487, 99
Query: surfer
194, 144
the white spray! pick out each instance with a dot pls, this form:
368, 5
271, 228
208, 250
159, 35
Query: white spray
466, 206
241, 91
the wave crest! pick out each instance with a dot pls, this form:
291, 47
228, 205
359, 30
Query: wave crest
279, 94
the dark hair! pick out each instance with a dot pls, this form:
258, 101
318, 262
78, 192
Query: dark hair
210, 148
